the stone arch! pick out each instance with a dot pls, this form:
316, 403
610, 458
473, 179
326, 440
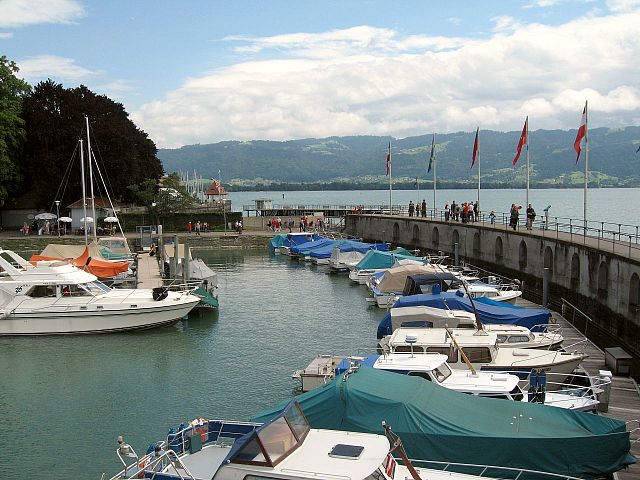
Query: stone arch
396, 233
477, 249
499, 249
575, 272
416, 234
435, 238
522, 255
634, 293
603, 280
455, 238
548, 258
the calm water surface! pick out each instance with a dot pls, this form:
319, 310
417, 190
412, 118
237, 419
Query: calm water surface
64, 400
616, 205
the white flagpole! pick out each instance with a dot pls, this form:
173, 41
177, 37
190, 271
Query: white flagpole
586, 162
527, 134
478, 170
390, 187
434, 173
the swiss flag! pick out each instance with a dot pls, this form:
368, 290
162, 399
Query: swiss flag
523, 141
582, 132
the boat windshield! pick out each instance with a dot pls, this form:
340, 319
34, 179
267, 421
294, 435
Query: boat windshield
94, 288
273, 441
442, 372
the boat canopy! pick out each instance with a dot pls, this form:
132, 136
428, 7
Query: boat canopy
347, 246
85, 261
489, 311
278, 240
442, 425
423, 283
376, 259
393, 280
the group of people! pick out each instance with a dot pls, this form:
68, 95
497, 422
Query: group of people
419, 208
238, 226
305, 223
197, 227
35, 227
514, 216
468, 212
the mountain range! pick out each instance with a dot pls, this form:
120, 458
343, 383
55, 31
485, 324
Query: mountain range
613, 160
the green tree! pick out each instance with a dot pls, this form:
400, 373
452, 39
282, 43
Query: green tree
12, 132
55, 121
162, 198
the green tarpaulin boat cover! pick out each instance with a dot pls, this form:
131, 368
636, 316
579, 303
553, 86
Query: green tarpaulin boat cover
438, 424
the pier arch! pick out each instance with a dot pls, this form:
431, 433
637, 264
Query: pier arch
477, 249
603, 280
634, 293
522, 255
548, 258
416, 235
455, 238
574, 281
396, 233
499, 249
435, 238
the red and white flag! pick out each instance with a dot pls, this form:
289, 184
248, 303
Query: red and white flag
390, 466
524, 140
389, 159
582, 132
475, 149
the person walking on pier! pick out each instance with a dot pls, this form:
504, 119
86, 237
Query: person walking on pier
447, 212
531, 216
411, 208
513, 218
424, 208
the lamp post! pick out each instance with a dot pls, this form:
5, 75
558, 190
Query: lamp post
57, 202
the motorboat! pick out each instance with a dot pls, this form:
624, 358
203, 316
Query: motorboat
294, 239
285, 447
387, 287
53, 297
322, 255
433, 367
481, 349
376, 261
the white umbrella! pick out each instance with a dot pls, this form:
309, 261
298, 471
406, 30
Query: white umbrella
65, 219
45, 216
88, 220
110, 219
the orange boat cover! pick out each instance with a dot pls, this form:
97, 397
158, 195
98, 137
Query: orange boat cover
99, 268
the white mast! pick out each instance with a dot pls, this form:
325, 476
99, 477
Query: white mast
478, 169
84, 191
433, 151
586, 162
526, 122
390, 183
93, 198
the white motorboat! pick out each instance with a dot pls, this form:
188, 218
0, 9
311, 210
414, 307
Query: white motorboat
434, 368
344, 261
284, 448
508, 336
482, 350
55, 297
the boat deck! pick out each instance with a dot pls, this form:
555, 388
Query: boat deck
148, 271
624, 402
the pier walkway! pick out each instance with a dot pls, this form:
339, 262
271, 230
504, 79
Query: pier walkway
148, 271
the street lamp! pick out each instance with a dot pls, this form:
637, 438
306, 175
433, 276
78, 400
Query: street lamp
57, 202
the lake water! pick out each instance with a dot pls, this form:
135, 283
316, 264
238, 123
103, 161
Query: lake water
615, 205
64, 400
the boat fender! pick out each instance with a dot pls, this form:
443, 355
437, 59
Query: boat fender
141, 464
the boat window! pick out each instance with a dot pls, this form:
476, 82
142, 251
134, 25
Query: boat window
40, 291
451, 353
501, 339
518, 339
424, 375
251, 453
75, 291
478, 354
94, 288
442, 372
407, 349
277, 439
298, 422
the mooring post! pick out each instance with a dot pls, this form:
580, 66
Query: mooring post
185, 263
545, 286
455, 254
174, 259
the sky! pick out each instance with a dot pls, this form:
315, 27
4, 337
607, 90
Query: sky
192, 72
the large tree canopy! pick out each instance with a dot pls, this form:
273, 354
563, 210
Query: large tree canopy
55, 121
12, 133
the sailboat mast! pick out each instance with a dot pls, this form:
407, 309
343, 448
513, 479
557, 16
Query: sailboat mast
84, 191
93, 198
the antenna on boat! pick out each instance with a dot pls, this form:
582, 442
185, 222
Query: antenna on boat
396, 444
479, 325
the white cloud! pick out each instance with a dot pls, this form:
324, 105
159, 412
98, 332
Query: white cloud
623, 5
6, 35
19, 13
365, 80
51, 66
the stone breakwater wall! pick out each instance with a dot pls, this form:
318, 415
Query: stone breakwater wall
603, 284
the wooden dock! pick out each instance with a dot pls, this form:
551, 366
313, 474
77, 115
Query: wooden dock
148, 271
624, 402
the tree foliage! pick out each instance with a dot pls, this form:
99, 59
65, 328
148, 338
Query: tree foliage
169, 197
54, 118
12, 133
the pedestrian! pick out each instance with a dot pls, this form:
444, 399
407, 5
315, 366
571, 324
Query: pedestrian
492, 217
424, 208
198, 227
301, 226
531, 216
189, 227
476, 210
411, 208
514, 214
447, 212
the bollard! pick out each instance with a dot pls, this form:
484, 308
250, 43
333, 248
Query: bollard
185, 263
174, 259
545, 286
455, 255
603, 390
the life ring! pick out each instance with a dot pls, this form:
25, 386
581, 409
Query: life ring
141, 464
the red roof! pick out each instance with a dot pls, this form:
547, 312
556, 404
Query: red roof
216, 188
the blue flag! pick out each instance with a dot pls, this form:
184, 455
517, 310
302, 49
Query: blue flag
432, 157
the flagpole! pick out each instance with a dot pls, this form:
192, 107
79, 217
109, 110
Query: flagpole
527, 123
478, 169
418, 185
586, 162
390, 186
434, 176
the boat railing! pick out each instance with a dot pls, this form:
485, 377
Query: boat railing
543, 353
490, 471
633, 431
152, 464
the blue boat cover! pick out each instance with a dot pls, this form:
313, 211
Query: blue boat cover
376, 259
278, 240
347, 246
288, 240
305, 248
490, 312
439, 424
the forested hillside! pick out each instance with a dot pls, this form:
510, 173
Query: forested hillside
612, 158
